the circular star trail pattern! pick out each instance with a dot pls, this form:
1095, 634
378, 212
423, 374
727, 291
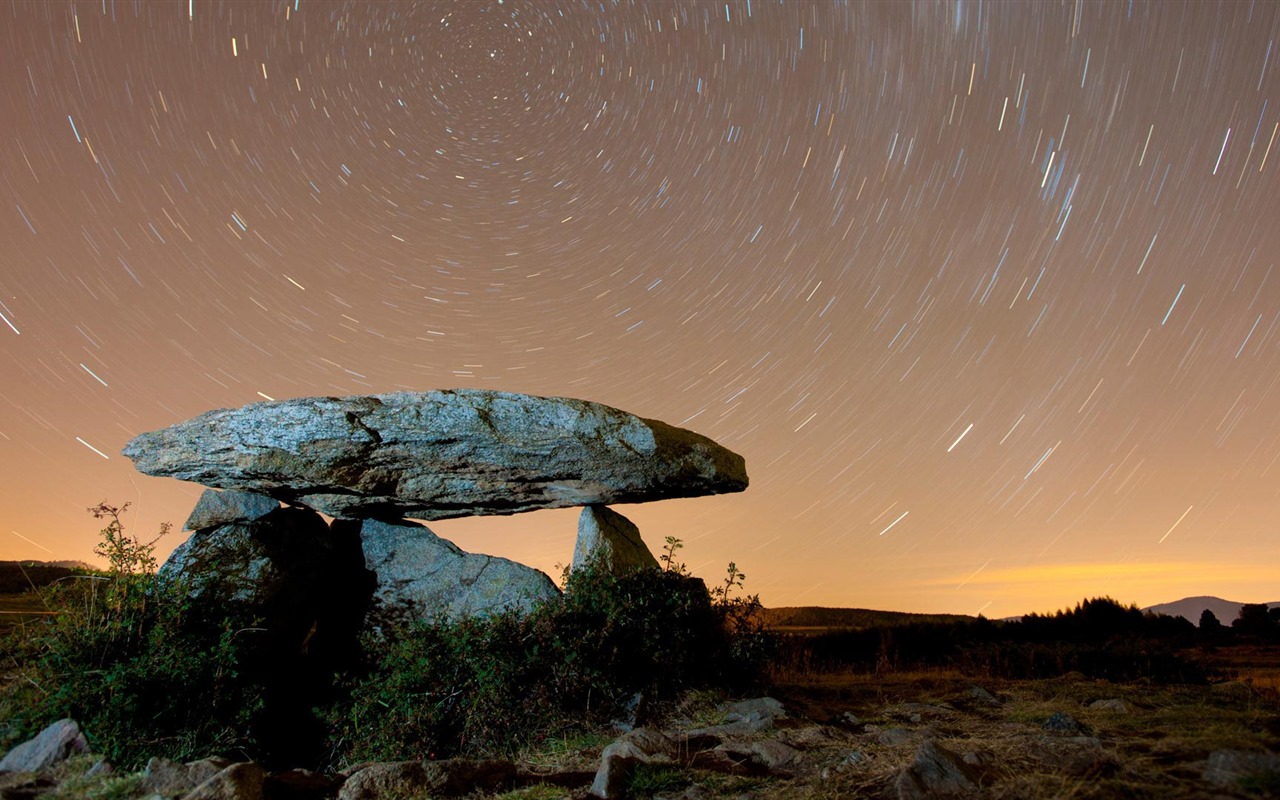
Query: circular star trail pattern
983, 292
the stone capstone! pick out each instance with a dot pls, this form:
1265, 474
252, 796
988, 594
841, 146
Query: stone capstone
441, 454
221, 508
418, 575
610, 541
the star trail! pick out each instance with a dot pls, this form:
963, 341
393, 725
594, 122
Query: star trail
983, 291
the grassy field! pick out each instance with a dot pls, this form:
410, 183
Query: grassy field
15, 609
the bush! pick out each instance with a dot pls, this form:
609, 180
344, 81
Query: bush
125, 657
493, 685
147, 672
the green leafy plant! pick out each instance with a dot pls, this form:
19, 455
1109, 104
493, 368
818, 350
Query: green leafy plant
509, 682
668, 557
124, 653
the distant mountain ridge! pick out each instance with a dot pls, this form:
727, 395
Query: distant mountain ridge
19, 576
1190, 608
822, 617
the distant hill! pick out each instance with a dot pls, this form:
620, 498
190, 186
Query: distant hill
1191, 608
19, 576
825, 618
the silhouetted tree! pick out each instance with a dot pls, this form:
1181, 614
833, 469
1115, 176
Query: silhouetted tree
1209, 622
1255, 620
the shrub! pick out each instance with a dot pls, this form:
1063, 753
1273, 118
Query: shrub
127, 658
494, 685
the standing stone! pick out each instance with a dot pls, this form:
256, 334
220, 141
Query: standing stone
222, 508
435, 455
419, 575
611, 541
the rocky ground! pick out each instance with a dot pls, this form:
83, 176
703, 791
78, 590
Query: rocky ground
900, 736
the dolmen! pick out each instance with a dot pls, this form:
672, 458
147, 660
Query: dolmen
374, 462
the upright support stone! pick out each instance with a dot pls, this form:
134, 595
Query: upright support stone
611, 542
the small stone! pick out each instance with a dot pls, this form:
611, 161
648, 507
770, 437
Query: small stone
1227, 768
1113, 704
243, 781
976, 692
171, 779
1060, 722
611, 542
55, 743
386, 779
222, 508
893, 737
935, 772
640, 746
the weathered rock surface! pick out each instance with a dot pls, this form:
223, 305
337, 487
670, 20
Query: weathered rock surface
55, 743
1226, 768
435, 455
221, 508
452, 777
169, 778
305, 580
610, 541
935, 772
419, 575
242, 781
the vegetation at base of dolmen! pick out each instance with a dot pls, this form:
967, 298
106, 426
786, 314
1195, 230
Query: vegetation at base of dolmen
494, 685
147, 671
1099, 637
125, 655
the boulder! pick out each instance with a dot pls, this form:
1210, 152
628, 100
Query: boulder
453, 777
610, 541
221, 508
55, 743
1228, 768
418, 575
243, 781
441, 454
935, 772
640, 746
304, 580
171, 778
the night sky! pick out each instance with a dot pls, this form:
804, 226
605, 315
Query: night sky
984, 292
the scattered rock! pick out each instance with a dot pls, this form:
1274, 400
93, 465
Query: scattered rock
441, 454
55, 743
171, 779
935, 772
611, 541
640, 746
764, 755
1227, 768
455, 777
418, 574
976, 692
1061, 722
383, 780
243, 781
1113, 704
893, 737
222, 508
745, 717
634, 714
